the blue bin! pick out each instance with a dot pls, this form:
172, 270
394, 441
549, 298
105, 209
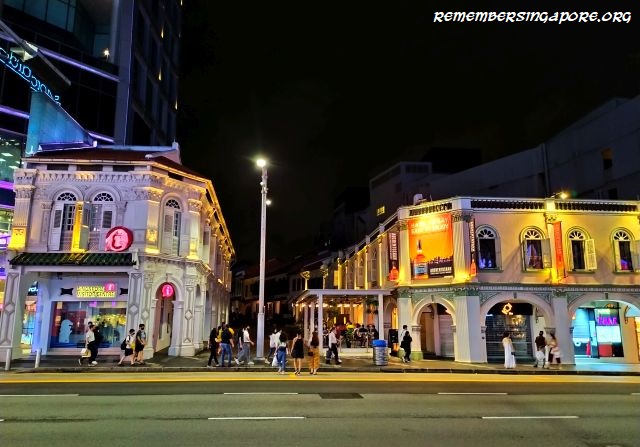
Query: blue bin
379, 343
380, 352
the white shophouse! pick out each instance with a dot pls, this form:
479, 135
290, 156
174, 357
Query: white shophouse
119, 237
462, 271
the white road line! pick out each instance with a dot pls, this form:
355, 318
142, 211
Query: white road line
256, 418
39, 395
530, 417
1, 420
259, 394
472, 394
635, 394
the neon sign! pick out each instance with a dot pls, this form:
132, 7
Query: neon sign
608, 321
106, 291
118, 239
506, 309
13, 62
167, 291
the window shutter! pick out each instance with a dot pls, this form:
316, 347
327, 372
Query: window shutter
525, 259
85, 228
616, 256
546, 253
496, 246
590, 254
635, 255
107, 219
167, 232
56, 227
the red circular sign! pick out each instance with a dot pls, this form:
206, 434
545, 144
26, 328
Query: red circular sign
167, 291
118, 239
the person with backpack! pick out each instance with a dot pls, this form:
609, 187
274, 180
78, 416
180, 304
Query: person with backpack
405, 344
91, 344
127, 347
213, 345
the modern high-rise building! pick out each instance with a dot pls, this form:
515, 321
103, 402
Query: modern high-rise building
120, 57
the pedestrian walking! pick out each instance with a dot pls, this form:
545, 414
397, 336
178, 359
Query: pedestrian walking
273, 344
213, 346
541, 344
297, 352
91, 345
226, 344
406, 346
509, 353
128, 349
141, 342
245, 352
333, 347
314, 353
281, 353
554, 353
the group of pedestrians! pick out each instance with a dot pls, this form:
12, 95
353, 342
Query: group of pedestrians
132, 346
547, 351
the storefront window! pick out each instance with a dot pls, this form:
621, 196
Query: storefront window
70, 318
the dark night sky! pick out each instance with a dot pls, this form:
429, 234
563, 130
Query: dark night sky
332, 95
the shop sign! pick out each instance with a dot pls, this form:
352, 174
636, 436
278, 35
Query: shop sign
167, 291
15, 64
608, 321
118, 239
104, 291
4, 240
393, 255
473, 269
431, 246
557, 238
506, 309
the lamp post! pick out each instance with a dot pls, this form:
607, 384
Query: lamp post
263, 233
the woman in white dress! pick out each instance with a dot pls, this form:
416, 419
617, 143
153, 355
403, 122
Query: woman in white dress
509, 353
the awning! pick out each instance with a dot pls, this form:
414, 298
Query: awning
79, 259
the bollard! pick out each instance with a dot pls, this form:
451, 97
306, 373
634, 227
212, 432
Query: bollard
38, 353
7, 360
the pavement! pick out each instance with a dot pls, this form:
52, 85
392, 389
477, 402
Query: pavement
165, 363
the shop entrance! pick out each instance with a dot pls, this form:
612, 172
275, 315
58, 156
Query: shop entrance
163, 327
29, 319
596, 330
514, 318
436, 332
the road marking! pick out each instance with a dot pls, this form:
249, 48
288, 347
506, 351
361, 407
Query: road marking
635, 394
256, 418
479, 394
530, 417
259, 394
39, 395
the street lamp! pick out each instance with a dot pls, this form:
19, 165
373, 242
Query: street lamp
263, 233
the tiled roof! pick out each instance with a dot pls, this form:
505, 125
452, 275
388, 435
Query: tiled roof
80, 259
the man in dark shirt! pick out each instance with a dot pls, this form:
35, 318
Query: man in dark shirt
226, 343
541, 342
213, 345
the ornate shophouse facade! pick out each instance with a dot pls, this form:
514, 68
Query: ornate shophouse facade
118, 237
462, 271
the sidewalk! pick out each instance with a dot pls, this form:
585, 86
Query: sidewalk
164, 363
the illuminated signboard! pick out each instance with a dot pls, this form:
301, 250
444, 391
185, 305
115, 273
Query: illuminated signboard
4, 240
105, 291
15, 64
167, 291
118, 239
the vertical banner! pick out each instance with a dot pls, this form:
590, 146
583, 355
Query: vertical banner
557, 242
473, 268
431, 246
392, 239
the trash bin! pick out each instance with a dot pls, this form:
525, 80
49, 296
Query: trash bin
380, 353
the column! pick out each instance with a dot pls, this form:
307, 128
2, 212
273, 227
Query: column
404, 269
319, 325
404, 307
11, 318
416, 342
468, 335
305, 311
177, 348
563, 330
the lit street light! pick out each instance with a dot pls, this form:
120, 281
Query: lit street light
263, 233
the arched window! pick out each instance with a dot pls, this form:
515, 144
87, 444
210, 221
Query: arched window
102, 219
623, 252
582, 251
535, 250
171, 227
488, 248
63, 217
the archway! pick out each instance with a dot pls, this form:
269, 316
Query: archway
163, 327
436, 318
605, 327
522, 316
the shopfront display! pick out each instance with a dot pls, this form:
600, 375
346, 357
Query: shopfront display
596, 332
70, 318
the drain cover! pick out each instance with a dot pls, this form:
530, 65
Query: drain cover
340, 396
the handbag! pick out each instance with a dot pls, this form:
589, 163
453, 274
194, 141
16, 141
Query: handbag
274, 362
84, 352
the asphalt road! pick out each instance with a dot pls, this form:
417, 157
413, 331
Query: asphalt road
337, 409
